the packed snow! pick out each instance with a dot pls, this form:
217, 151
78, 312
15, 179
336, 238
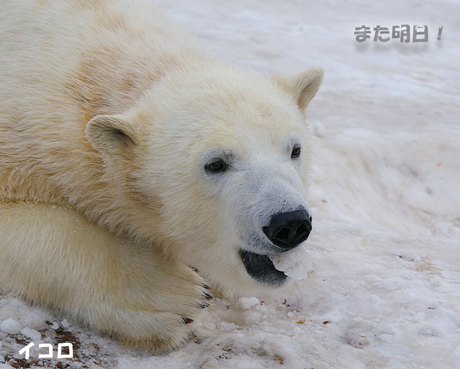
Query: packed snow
384, 286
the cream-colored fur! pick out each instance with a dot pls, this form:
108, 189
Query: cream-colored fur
106, 111
61, 260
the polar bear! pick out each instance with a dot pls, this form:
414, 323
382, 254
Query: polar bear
136, 170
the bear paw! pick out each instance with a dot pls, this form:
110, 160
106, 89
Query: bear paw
155, 315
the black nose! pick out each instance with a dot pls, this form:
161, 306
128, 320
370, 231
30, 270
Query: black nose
287, 230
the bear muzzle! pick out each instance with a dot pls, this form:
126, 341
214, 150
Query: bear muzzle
289, 229
286, 231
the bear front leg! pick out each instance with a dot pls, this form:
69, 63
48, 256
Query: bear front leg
53, 256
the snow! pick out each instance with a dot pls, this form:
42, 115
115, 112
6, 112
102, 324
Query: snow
31, 333
384, 288
246, 303
295, 263
10, 326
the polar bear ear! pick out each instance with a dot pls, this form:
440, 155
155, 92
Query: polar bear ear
303, 85
111, 135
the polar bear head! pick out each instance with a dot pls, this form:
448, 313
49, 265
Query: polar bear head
219, 158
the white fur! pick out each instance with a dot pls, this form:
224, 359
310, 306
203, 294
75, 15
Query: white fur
108, 114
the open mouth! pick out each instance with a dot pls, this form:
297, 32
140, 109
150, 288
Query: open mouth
261, 268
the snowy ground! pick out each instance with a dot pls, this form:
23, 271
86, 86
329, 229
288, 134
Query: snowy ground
385, 189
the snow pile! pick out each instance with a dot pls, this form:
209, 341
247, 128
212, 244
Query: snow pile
383, 289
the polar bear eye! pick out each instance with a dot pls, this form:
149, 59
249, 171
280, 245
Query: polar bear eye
295, 152
217, 166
